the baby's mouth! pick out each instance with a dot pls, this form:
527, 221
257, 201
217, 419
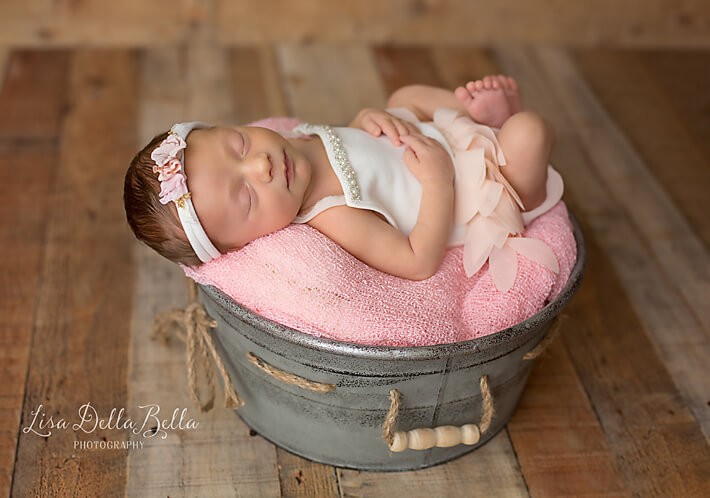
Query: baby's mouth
287, 169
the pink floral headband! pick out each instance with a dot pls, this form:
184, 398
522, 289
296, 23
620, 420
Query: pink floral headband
173, 186
168, 157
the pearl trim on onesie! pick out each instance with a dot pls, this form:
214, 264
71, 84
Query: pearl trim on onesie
334, 144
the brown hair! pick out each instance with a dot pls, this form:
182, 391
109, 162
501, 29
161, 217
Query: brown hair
152, 222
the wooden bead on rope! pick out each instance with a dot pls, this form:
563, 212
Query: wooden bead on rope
443, 436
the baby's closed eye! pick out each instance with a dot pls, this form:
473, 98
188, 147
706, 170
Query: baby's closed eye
235, 143
247, 198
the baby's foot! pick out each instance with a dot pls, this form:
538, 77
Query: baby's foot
490, 101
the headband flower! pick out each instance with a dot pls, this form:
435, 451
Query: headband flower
173, 186
168, 149
169, 157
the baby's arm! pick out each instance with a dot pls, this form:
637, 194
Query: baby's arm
375, 242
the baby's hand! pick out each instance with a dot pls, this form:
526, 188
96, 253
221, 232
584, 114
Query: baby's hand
427, 159
377, 122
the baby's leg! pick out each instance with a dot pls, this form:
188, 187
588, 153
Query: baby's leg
489, 101
423, 100
525, 137
526, 140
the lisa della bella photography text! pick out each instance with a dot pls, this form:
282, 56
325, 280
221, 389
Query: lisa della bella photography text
148, 425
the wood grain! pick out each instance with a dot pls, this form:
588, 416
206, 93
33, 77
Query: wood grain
333, 96
219, 457
27, 163
256, 84
687, 94
35, 105
131, 23
491, 471
657, 443
670, 321
80, 336
624, 377
4, 56
458, 65
634, 22
671, 239
303, 478
662, 116
560, 445
95, 22
400, 66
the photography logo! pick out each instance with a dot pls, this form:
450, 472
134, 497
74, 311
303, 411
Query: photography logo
149, 424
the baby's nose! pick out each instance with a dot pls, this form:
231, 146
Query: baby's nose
261, 167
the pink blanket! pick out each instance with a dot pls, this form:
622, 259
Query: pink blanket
301, 279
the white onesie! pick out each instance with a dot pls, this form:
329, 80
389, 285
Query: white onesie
373, 176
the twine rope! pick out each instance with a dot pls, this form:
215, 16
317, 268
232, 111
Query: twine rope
391, 419
192, 326
290, 378
427, 438
488, 410
549, 339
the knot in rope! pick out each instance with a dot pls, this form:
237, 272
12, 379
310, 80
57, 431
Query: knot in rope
192, 326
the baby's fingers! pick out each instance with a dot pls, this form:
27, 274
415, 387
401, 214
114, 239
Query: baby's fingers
406, 128
403, 128
409, 156
415, 142
411, 128
372, 127
390, 129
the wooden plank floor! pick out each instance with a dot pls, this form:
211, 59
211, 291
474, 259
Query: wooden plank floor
620, 406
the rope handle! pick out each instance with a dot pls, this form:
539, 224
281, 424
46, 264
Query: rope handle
445, 436
288, 377
554, 332
192, 326
442, 436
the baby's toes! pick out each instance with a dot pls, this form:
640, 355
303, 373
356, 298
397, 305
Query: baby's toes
503, 81
464, 95
474, 86
512, 84
490, 83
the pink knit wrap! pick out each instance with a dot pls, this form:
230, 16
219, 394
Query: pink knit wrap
300, 278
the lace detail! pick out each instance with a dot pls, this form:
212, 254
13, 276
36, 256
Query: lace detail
336, 152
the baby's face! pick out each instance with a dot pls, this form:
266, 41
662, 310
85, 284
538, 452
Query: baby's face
245, 182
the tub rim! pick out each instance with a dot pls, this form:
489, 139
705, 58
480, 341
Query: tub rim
413, 353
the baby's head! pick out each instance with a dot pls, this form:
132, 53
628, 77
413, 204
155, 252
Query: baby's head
244, 182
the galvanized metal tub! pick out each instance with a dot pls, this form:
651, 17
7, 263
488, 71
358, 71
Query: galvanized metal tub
341, 425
